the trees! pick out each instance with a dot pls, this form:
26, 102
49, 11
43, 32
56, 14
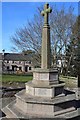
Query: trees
73, 50
70, 57
61, 31
76, 33
29, 37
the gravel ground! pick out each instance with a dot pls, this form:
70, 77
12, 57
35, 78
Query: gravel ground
3, 102
6, 100
7, 97
13, 84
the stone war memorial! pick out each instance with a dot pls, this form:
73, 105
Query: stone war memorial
44, 96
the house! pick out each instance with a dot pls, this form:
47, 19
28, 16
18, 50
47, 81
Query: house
16, 62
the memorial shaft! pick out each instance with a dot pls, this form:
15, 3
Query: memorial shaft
46, 46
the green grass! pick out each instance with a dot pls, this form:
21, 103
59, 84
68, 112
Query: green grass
69, 81
0, 77
16, 78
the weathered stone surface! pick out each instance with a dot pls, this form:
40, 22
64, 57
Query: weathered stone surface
45, 91
46, 12
27, 106
45, 106
13, 110
46, 46
46, 51
44, 100
45, 76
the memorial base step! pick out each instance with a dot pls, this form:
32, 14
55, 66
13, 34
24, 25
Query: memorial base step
45, 106
13, 111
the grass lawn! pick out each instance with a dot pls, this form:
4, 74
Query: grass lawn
16, 78
69, 81
0, 77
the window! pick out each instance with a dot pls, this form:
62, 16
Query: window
20, 68
7, 61
19, 62
7, 67
12, 61
29, 68
29, 62
57, 62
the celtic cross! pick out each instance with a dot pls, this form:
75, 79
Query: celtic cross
46, 12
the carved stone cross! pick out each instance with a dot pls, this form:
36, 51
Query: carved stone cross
46, 12
46, 45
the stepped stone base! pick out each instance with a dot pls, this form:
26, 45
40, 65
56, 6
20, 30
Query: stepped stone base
43, 97
26, 106
45, 90
45, 106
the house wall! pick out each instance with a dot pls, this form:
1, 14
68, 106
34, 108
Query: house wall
24, 66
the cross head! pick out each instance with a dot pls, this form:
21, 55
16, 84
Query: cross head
46, 12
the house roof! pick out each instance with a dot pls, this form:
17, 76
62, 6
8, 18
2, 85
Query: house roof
16, 57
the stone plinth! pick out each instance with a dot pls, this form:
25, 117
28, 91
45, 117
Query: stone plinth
45, 76
49, 91
45, 83
44, 106
27, 106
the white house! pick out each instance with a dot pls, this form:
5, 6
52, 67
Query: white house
15, 62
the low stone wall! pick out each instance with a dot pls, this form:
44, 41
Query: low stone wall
70, 82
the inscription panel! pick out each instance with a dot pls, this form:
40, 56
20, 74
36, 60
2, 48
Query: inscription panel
43, 92
44, 76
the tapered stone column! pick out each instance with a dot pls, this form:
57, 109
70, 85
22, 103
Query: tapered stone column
45, 75
46, 46
46, 50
